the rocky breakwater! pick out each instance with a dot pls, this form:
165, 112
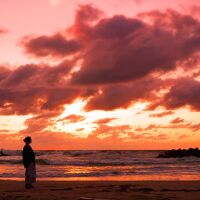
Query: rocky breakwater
179, 153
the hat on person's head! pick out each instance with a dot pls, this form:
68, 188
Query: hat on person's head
27, 139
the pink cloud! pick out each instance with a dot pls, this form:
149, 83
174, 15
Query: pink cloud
3, 31
183, 136
177, 120
161, 114
73, 118
104, 121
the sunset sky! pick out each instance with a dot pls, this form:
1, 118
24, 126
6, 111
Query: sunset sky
95, 74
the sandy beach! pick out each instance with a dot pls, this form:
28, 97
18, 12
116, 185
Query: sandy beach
105, 190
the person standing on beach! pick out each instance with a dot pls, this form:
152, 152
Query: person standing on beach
29, 163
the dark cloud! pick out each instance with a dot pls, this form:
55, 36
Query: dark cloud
34, 100
120, 49
33, 88
116, 27
4, 72
55, 46
32, 75
119, 56
19, 75
122, 95
185, 92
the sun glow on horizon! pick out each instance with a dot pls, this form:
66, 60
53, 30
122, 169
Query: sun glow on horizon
84, 127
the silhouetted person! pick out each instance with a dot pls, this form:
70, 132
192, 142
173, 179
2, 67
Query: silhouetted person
29, 163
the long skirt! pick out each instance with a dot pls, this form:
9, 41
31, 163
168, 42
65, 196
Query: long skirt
30, 174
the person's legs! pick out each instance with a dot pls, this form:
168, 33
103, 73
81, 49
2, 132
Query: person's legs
28, 182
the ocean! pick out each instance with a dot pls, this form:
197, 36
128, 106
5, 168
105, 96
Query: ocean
101, 165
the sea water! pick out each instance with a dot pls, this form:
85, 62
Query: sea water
102, 165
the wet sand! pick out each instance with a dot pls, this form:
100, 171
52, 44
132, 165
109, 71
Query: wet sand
101, 190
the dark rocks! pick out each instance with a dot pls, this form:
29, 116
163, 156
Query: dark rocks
2, 153
180, 153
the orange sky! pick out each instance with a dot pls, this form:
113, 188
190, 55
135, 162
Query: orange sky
93, 74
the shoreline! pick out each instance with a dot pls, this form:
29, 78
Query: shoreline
104, 190
127, 178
